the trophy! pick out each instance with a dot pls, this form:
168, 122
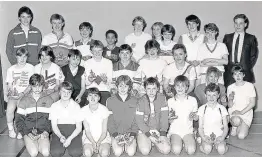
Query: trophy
213, 137
172, 114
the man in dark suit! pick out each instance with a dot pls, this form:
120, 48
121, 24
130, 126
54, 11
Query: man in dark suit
242, 48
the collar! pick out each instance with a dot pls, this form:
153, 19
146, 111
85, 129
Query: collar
87, 43
127, 98
20, 27
241, 34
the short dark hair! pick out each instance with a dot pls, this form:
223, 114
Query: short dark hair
26, 10
47, 50
66, 85
126, 79
151, 81
87, 25
237, 68
37, 80
193, 18
212, 27
170, 29
181, 79
152, 44
93, 90
22, 51
179, 46
242, 16
57, 17
96, 44
212, 87
139, 18
74, 52
125, 47
112, 32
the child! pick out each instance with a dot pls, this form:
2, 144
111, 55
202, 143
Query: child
83, 45
212, 76
75, 74
138, 39
66, 119
96, 138
168, 32
193, 39
211, 53
52, 72
241, 101
156, 31
182, 112
152, 119
59, 40
213, 124
32, 117
99, 71
122, 124
17, 79
24, 35
111, 51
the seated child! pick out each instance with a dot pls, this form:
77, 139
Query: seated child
111, 51
99, 71
241, 101
32, 117
96, 138
152, 119
66, 120
122, 125
212, 76
182, 112
75, 74
17, 79
83, 45
213, 124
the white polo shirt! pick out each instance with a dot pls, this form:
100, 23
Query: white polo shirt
139, 44
65, 115
171, 72
182, 108
212, 119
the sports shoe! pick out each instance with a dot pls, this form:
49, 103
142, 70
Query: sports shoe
19, 136
233, 131
12, 133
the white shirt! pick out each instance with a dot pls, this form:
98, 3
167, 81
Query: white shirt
66, 115
165, 49
212, 119
105, 66
182, 109
51, 40
19, 77
240, 46
139, 44
171, 72
53, 73
95, 119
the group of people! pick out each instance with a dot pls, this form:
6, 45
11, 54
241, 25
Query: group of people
86, 97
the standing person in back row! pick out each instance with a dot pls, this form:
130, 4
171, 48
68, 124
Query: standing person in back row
242, 49
138, 38
24, 35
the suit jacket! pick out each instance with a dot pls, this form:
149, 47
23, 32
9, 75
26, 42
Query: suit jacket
248, 57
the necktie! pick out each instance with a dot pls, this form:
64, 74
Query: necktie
236, 49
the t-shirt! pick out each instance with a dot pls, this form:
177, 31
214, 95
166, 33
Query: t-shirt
151, 68
203, 53
95, 119
182, 110
66, 115
212, 119
171, 72
53, 73
165, 49
242, 95
84, 49
105, 66
19, 77
138, 44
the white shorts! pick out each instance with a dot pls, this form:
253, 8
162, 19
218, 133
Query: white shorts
180, 132
85, 140
247, 117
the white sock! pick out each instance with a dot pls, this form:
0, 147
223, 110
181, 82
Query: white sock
10, 126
